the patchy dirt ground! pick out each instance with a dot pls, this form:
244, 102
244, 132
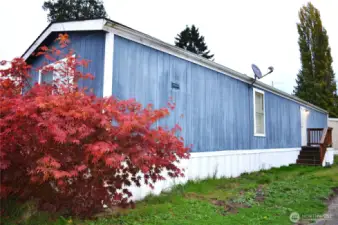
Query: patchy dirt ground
231, 205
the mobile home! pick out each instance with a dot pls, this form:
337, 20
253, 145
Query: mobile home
235, 125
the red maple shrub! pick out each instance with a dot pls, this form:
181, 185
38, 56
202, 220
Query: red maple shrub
71, 150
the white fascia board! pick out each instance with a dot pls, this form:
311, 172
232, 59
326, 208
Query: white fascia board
86, 25
157, 44
333, 119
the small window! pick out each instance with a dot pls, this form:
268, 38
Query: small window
50, 76
259, 113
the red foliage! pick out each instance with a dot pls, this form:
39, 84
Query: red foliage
74, 151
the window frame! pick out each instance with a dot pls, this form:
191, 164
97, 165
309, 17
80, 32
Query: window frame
52, 64
255, 90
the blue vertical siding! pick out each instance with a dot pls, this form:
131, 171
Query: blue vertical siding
217, 109
316, 119
282, 122
87, 45
205, 98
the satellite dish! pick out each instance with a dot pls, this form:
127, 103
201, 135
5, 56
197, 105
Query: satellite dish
257, 71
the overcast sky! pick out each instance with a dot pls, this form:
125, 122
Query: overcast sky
239, 32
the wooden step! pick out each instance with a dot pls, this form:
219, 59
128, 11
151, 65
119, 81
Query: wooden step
304, 164
308, 157
309, 151
308, 162
309, 148
306, 150
314, 154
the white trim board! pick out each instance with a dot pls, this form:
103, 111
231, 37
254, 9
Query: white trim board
333, 119
108, 65
131, 34
53, 64
241, 152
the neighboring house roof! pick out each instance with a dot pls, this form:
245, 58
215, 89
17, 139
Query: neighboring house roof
134, 35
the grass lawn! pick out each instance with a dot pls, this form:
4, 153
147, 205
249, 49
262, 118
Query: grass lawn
264, 197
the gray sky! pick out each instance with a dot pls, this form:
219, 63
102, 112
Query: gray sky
239, 32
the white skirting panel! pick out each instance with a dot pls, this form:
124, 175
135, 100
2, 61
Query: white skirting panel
329, 157
335, 151
219, 164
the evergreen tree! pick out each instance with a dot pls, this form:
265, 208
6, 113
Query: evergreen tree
63, 10
191, 40
315, 80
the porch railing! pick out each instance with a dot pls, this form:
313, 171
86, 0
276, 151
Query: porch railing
314, 136
321, 137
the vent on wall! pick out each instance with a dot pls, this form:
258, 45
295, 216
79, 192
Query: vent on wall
175, 86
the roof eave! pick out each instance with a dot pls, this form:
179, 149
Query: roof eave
76, 25
112, 26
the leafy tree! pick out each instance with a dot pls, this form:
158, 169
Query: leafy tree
191, 40
73, 151
315, 80
63, 10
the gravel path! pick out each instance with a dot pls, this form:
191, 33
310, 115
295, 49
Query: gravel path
332, 214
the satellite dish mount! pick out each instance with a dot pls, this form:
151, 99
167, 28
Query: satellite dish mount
258, 73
